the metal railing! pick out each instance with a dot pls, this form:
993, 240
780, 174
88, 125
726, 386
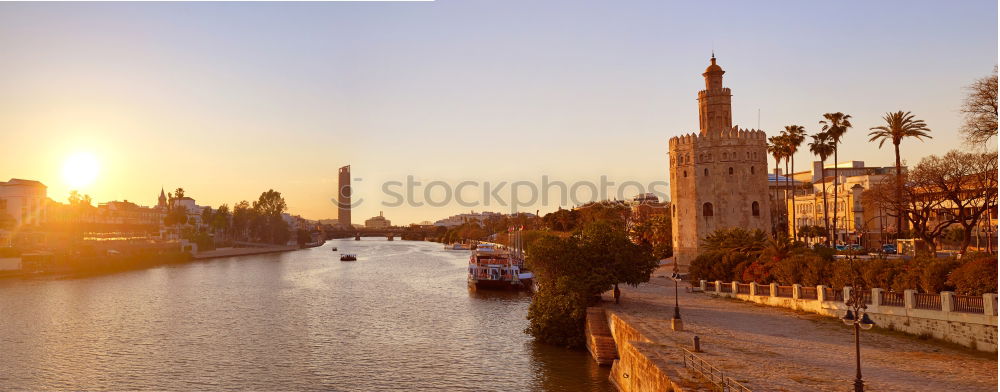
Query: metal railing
784, 291
808, 292
711, 373
834, 295
892, 298
927, 301
969, 304
726, 288
865, 295
743, 288
764, 291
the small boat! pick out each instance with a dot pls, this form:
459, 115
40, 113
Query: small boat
334, 249
348, 257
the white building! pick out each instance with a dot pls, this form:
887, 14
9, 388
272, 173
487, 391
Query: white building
24, 201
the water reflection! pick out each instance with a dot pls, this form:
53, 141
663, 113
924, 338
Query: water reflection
400, 318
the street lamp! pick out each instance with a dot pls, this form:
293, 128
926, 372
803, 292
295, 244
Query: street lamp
858, 317
675, 323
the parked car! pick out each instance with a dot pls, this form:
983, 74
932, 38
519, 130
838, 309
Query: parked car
889, 249
840, 247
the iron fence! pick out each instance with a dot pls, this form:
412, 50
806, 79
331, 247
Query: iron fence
785, 291
808, 293
969, 304
763, 290
711, 373
927, 301
742, 288
891, 298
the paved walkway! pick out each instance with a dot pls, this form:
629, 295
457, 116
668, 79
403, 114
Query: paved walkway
776, 349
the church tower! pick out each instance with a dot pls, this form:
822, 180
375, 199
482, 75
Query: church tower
718, 177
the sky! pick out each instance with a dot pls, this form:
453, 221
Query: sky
228, 100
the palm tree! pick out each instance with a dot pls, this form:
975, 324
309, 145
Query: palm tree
796, 134
822, 147
775, 148
835, 126
899, 125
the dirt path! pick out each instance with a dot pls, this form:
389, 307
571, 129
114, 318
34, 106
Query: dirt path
776, 349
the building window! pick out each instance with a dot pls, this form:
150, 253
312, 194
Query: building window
755, 208
730, 171
673, 210
706, 172
685, 174
706, 209
751, 170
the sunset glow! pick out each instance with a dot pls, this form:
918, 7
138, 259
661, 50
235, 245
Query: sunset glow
80, 169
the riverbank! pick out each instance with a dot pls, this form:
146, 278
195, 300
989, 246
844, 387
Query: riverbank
230, 252
767, 348
48, 265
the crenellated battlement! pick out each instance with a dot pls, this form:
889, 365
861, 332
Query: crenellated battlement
721, 91
736, 133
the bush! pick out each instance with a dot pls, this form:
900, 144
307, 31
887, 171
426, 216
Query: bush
934, 276
976, 276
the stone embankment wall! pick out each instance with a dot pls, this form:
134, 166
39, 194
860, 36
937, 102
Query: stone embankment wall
967, 321
640, 365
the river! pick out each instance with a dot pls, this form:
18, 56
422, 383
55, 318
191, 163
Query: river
399, 318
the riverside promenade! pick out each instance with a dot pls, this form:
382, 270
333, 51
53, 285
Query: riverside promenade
776, 349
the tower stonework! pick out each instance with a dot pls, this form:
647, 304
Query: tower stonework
718, 177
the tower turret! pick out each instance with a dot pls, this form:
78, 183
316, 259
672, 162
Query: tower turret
714, 102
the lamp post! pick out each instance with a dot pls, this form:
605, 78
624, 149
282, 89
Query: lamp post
675, 323
857, 317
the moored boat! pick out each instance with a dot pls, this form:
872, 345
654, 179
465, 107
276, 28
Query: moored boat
348, 257
493, 267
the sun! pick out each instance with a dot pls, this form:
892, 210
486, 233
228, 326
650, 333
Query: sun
80, 169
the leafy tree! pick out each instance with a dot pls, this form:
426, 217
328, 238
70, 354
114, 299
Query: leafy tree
776, 147
980, 110
899, 125
243, 215
572, 271
794, 136
835, 125
822, 147
179, 193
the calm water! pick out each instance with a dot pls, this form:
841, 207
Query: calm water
399, 318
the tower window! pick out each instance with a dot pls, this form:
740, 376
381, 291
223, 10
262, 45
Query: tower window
755, 209
751, 170
706, 209
730, 171
685, 174
706, 172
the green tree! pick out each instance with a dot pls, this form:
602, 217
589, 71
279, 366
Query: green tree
898, 125
822, 147
243, 215
571, 272
835, 126
775, 147
179, 193
794, 136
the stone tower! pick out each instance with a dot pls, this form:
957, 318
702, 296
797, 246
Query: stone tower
718, 177
344, 197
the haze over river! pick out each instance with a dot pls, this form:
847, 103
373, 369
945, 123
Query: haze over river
399, 318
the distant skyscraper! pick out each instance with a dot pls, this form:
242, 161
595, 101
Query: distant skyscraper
344, 197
